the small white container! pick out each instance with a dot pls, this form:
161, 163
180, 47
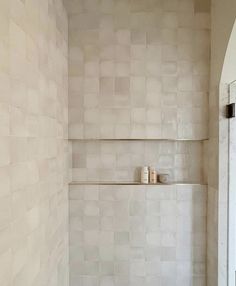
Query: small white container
153, 175
164, 178
144, 175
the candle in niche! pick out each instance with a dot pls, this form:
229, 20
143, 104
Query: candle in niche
164, 178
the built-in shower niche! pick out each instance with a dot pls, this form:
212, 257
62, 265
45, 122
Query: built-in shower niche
120, 161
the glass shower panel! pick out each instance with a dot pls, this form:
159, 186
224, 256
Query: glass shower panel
232, 192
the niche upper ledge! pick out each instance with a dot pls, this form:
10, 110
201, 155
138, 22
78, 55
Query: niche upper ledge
105, 183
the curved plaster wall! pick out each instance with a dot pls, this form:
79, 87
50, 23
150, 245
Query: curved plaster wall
229, 66
223, 18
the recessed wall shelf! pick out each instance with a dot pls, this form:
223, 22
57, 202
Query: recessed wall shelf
138, 139
132, 183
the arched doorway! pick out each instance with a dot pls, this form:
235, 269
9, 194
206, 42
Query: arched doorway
227, 168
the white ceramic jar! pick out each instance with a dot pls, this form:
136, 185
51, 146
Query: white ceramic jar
164, 178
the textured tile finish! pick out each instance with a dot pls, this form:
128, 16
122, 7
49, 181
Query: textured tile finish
130, 55
141, 235
122, 160
33, 145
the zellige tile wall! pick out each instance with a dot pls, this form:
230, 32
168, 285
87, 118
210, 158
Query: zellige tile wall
138, 69
121, 161
138, 235
33, 143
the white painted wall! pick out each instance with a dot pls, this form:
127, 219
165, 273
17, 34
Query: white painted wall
223, 18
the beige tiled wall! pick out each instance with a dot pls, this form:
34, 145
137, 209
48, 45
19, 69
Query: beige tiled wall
138, 69
33, 145
137, 235
122, 160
